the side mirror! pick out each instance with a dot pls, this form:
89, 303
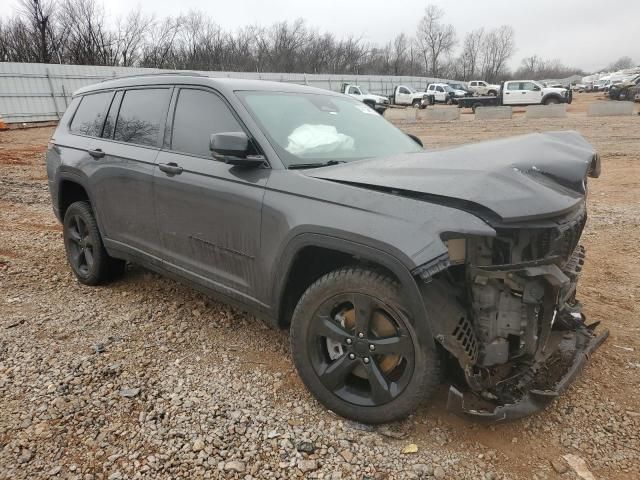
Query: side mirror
536, 88
233, 148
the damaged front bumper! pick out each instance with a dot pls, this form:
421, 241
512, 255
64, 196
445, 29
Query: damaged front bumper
515, 328
576, 346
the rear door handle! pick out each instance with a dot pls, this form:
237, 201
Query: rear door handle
96, 153
170, 168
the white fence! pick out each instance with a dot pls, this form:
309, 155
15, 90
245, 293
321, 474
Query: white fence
35, 92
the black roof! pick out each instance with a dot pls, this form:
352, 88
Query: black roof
226, 85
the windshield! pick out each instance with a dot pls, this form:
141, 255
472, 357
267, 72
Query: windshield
411, 89
311, 129
447, 88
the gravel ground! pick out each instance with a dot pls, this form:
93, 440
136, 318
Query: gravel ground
145, 378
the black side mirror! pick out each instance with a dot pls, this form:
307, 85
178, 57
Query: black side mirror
233, 148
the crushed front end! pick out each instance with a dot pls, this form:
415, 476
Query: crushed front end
506, 311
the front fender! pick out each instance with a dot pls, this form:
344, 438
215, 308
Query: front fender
415, 305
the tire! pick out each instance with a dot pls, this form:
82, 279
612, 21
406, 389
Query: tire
492, 93
339, 366
416, 103
86, 254
475, 106
551, 101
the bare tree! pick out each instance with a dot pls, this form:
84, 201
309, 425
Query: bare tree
497, 48
471, 54
38, 15
621, 64
435, 38
130, 36
400, 48
537, 68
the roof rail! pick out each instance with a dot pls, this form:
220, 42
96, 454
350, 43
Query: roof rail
154, 74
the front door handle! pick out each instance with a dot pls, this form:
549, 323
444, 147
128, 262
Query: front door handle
96, 153
170, 168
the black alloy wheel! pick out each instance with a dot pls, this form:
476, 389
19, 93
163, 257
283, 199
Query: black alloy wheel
80, 245
361, 349
356, 349
86, 254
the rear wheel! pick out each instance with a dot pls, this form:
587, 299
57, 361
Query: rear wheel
85, 251
357, 350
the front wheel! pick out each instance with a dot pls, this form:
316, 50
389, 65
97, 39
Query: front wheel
357, 350
416, 103
551, 101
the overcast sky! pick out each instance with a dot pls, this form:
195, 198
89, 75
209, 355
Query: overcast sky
588, 34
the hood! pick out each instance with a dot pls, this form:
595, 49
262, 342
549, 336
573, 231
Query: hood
528, 177
558, 90
374, 97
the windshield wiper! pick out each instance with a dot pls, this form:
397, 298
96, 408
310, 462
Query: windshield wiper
315, 165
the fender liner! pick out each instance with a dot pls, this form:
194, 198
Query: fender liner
560, 98
410, 289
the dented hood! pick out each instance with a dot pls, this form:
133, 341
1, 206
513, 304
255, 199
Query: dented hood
518, 178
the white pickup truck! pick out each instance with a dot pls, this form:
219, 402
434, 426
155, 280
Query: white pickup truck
443, 93
377, 102
521, 93
405, 95
480, 87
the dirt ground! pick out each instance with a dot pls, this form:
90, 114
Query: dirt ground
209, 373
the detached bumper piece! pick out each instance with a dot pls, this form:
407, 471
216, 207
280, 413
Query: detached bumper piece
542, 381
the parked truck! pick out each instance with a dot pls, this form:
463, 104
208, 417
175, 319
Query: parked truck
480, 87
405, 95
377, 102
521, 93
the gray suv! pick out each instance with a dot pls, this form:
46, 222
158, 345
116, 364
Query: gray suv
393, 267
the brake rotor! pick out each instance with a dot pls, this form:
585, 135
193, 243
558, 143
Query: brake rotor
381, 326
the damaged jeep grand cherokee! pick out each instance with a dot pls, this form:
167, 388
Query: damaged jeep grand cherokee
395, 268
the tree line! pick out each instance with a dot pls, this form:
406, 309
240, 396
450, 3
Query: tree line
80, 32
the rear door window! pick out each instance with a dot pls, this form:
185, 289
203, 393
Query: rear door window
141, 115
199, 114
89, 117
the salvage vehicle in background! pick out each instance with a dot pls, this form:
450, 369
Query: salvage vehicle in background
624, 90
462, 87
443, 93
377, 102
389, 264
406, 95
520, 93
480, 87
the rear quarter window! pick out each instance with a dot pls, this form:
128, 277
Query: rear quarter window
141, 115
89, 116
